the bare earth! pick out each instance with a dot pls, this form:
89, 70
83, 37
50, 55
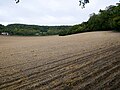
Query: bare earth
86, 61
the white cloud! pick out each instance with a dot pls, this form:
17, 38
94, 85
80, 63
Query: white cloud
48, 12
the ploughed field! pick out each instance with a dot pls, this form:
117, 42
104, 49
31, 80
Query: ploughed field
86, 61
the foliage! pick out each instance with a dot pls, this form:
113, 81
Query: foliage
32, 30
17, 1
108, 19
83, 2
2, 28
116, 23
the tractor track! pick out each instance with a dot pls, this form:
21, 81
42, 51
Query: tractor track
79, 71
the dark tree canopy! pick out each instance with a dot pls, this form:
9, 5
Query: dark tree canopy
17, 1
108, 19
83, 2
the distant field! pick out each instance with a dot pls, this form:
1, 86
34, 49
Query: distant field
86, 61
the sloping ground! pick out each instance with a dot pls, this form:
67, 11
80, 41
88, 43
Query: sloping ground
87, 61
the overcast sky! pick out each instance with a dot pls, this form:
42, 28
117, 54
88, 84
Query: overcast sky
49, 12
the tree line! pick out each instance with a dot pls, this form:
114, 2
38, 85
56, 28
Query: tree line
32, 30
108, 19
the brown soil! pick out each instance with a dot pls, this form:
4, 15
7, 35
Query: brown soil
86, 61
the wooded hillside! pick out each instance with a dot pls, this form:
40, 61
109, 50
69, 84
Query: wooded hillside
32, 30
108, 19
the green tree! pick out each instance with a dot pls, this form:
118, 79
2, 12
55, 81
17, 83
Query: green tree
2, 28
108, 19
116, 23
